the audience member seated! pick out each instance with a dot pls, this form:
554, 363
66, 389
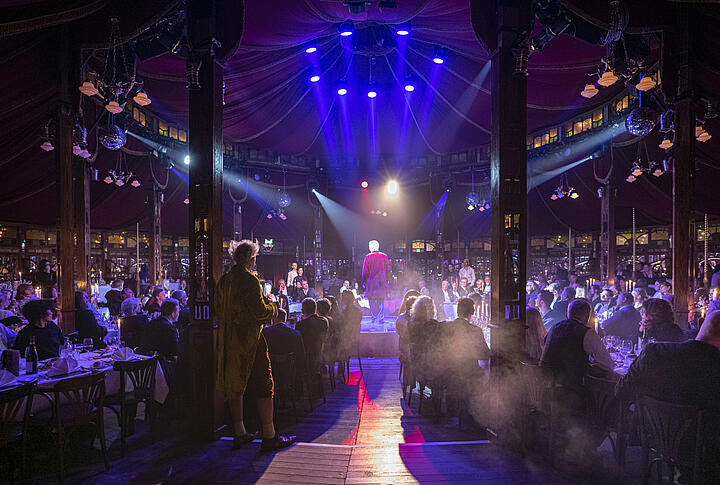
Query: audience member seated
133, 323
570, 347
86, 324
423, 330
155, 302
114, 298
624, 322
445, 301
314, 330
161, 335
282, 339
639, 297
330, 349
462, 346
594, 296
658, 321
48, 337
5, 302
184, 318
605, 307
401, 325
128, 293
683, 373
306, 291
23, 294
424, 290
281, 288
549, 316
663, 291
534, 334
566, 296
7, 336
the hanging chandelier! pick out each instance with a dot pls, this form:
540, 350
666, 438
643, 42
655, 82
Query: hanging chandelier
564, 189
644, 165
116, 84
472, 199
283, 197
121, 174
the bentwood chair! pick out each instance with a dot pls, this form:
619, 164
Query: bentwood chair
141, 376
672, 434
15, 407
76, 403
605, 413
285, 378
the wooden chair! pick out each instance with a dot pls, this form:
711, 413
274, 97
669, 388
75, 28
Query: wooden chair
674, 434
286, 377
141, 374
606, 413
15, 407
77, 402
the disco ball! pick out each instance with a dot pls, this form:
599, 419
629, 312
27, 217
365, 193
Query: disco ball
472, 199
284, 200
114, 139
641, 121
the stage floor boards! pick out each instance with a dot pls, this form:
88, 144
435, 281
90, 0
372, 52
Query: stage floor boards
364, 434
367, 325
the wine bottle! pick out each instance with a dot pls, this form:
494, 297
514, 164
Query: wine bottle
31, 357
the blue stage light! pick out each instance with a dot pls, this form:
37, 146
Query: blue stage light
311, 48
341, 87
346, 28
409, 86
438, 56
403, 29
372, 90
314, 78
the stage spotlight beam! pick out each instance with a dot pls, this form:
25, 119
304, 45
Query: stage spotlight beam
392, 188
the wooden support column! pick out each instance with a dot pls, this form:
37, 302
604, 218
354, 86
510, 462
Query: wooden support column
66, 196
205, 80
607, 234
81, 183
318, 245
505, 36
237, 221
677, 48
155, 239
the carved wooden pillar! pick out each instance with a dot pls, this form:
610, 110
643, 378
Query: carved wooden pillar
66, 196
505, 35
81, 183
205, 80
237, 221
155, 239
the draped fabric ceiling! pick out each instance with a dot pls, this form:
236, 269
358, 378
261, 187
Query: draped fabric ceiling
270, 104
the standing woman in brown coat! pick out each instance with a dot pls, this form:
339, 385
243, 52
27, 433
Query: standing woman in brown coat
243, 363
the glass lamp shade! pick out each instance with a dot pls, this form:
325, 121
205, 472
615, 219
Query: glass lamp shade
589, 91
135, 183
142, 99
186, 201
574, 195
47, 146
637, 171
631, 178
108, 179
119, 182
113, 107
77, 150
645, 84
698, 130
658, 171
607, 79
666, 144
641, 121
554, 196
85, 153
704, 136
88, 88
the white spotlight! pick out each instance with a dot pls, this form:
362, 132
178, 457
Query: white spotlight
186, 160
393, 188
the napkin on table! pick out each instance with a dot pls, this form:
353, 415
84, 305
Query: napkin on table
64, 365
6, 378
125, 353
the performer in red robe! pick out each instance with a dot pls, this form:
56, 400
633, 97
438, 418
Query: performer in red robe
375, 277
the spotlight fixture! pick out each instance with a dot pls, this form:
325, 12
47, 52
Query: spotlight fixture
564, 189
186, 160
438, 55
372, 90
409, 84
403, 29
392, 188
346, 28
589, 91
556, 20
646, 84
364, 184
341, 87
314, 78
311, 48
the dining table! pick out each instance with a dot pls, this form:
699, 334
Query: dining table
86, 363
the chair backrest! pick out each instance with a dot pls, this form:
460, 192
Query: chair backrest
141, 374
536, 384
83, 395
602, 405
12, 402
284, 370
675, 431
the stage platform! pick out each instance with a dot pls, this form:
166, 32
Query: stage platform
378, 340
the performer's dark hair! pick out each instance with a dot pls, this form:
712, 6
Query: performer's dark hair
309, 307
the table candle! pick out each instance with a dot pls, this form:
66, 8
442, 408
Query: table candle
597, 326
119, 333
20, 276
38, 293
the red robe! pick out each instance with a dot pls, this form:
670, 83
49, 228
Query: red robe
375, 275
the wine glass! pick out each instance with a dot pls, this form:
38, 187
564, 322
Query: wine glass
87, 344
626, 348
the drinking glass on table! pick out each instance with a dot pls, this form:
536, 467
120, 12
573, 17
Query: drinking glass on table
66, 348
626, 348
87, 344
